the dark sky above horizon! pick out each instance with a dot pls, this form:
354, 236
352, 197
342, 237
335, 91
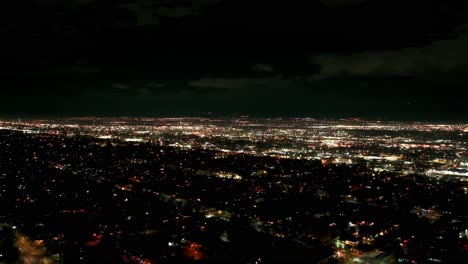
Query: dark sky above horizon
327, 58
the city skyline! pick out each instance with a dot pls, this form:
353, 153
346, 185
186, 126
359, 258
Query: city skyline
237, 190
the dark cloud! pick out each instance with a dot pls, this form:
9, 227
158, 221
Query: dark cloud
120, 86
137, 13
143, 14
262, 68
438, 57
177, 11
153, 84
153, 56
249, 84
150, 13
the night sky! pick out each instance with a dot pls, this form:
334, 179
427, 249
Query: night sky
386, 60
